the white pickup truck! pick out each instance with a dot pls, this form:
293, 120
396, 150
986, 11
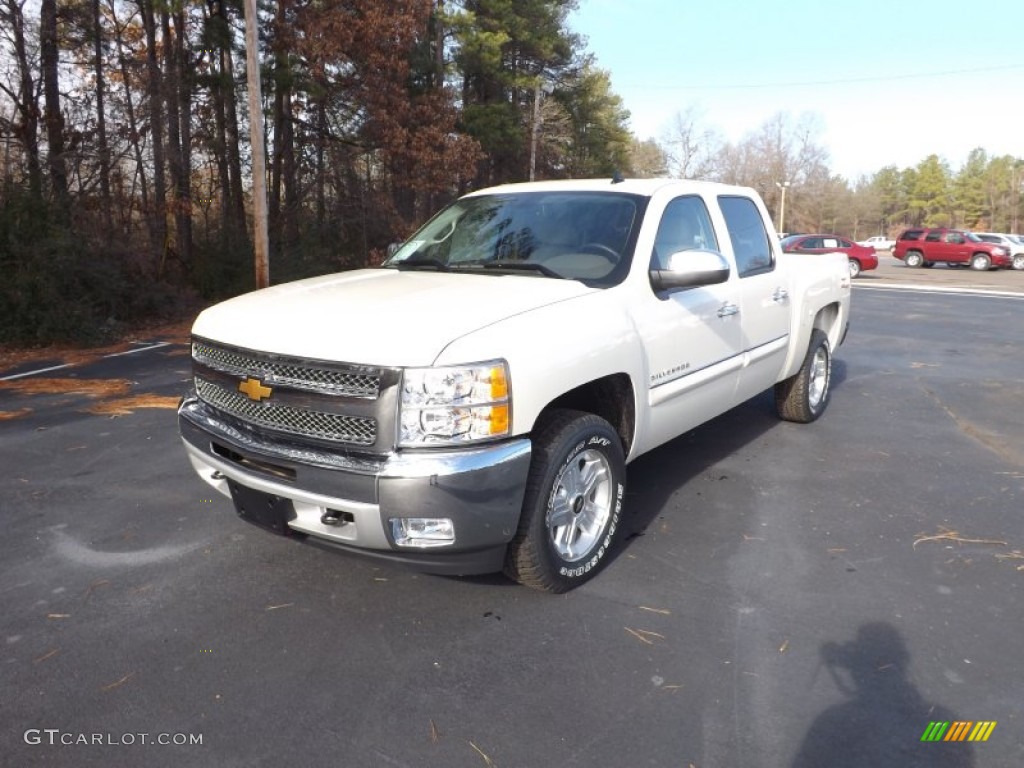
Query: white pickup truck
470, 406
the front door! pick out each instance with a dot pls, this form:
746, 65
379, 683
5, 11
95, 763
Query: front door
691, 337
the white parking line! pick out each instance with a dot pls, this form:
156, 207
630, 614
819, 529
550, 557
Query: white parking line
952, 290
38, 371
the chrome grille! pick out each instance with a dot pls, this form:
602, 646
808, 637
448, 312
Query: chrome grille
285, 418
351, 383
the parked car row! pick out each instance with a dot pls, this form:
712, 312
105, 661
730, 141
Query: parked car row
927, 246
861, 257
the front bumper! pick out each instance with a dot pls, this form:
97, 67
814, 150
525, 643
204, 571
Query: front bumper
480, 489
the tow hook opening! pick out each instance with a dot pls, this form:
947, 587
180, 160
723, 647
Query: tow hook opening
335, 517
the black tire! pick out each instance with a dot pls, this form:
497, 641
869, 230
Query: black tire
804, 396
566, 446
981, 262
913, 259
854, 268
928, 264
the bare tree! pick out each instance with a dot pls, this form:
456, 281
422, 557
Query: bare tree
692, 150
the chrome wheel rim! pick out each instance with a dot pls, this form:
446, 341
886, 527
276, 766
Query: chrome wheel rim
1018, 262
581, 503
854, 268
819, 377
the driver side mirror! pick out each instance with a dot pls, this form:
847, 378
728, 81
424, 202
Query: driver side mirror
690, 269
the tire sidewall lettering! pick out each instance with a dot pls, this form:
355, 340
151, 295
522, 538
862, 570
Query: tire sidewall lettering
606, 542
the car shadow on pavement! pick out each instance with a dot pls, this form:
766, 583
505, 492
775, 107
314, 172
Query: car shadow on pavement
656, 476
884, 719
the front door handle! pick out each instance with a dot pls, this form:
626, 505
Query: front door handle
728, 309
781, 295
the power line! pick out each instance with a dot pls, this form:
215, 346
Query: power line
840, 81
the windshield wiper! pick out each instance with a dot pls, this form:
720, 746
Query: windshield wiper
522, 266
437, 264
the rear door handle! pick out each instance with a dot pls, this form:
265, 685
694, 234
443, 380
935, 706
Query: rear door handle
728, 309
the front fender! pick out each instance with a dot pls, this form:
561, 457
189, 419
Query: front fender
555, 349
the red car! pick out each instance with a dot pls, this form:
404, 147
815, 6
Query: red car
861, 257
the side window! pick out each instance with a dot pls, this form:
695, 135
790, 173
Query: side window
933, 237
810, 244
955, 237
748, 235
830, 242
684, 226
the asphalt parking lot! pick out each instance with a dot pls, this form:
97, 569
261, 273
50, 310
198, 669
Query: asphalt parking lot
785, 595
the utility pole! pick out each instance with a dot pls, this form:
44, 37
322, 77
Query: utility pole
261, 238
783, 185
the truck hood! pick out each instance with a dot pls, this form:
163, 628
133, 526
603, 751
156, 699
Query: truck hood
381, 317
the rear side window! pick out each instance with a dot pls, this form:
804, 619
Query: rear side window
749, 238
933, 237
912, 234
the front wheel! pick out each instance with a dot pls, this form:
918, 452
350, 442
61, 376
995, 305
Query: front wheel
981, 262
573, 502
803, 396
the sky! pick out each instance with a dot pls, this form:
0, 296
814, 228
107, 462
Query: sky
888, 82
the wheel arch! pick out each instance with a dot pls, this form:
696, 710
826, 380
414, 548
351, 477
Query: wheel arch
611, 397
829, 321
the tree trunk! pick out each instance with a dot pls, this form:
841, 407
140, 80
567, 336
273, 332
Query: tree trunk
101, 125
158, 215
183, 70
27, 126
52, 116
282, 102
174, 156
133, 127
237, 198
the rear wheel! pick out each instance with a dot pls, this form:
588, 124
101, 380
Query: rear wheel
854, 267
1018, 261
981, 262
928, 264
804, 396
913, 259
573, 502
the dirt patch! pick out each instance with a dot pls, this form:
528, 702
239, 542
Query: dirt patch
125, 406
88, 387
9, 415
174, 333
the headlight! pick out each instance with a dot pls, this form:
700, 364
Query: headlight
454, 404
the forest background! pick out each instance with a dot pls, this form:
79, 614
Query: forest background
125, 163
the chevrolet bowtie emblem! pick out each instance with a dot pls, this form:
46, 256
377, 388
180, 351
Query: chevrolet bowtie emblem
254, 389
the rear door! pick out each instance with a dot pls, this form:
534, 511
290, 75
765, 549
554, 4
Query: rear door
765, 303
956, 246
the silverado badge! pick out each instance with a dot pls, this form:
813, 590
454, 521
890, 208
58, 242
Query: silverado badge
254, 389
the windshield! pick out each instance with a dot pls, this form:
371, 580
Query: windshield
586, 236
973, 237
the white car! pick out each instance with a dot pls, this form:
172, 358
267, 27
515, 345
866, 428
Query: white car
878, 242
1013, 244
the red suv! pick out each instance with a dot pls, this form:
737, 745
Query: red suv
924, 246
